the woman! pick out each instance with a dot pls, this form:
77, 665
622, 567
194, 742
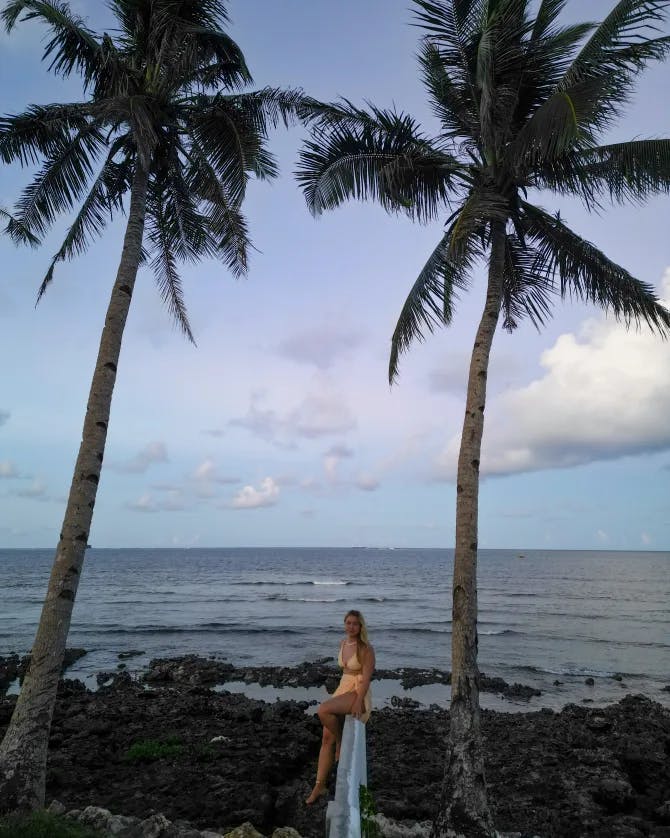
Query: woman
357, 659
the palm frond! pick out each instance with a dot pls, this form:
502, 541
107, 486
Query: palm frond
17, 231
164, 267
455, 26
625, 172
225, 219
61, 181
527, 289
585, 272
384, 158
547, 14
40, 131
97, 209
430, 302
71, 45
451, 104
622, 45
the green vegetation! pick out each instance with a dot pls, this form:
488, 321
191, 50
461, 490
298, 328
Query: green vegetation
148, 750
369, 827
43, 825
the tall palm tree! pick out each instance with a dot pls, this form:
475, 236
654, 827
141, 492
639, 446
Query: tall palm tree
521, 102
167, 127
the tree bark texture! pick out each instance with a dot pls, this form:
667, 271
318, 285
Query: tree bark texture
23, 752
463, 809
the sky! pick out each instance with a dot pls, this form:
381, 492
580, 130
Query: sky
279, 428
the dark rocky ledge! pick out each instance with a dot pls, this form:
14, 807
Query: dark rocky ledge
601, 773
195, 670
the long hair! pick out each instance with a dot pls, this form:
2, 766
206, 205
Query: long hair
363, 633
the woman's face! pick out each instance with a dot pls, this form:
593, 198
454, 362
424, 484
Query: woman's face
352, 625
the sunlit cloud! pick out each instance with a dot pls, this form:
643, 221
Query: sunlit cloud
154, 452
604, 394
249, 497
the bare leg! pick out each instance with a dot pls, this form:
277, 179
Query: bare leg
323, 767
331, 713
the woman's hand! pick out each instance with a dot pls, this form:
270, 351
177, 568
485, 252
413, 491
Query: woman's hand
357, 708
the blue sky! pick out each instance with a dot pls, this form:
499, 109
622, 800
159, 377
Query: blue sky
280, 428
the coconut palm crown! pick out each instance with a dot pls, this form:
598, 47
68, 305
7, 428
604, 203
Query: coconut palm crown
523, 104
165, 94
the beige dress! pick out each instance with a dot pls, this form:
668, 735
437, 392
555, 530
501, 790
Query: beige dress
350, 682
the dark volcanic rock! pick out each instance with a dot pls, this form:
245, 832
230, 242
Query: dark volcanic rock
227, 759
13, 666
191, 669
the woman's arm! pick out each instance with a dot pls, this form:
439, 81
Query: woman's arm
368, 667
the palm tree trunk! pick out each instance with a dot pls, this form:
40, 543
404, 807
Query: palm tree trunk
23, 752
464, 806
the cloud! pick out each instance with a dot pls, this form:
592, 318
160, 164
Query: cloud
207, 476
604, 394
154, 452
318, 415
145, 503
215, 432
332, 458
4, 416
8, 469
367, 483
250, 498
320, 346
36, 491
174, 502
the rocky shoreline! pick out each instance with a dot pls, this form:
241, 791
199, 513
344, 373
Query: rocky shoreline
169, 744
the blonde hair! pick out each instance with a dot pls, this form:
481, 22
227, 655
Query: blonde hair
363, 633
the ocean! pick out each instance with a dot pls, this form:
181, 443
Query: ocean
544, 616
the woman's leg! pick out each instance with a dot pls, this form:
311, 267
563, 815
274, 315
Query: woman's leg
331, 713
323, 766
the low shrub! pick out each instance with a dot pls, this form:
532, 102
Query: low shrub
148, 750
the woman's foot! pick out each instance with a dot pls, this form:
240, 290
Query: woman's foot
319, 789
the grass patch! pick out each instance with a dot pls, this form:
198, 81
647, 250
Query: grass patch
43, 825
148, 750
369, 826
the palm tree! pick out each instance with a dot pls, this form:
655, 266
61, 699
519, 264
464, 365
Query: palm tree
165, 123
521, 103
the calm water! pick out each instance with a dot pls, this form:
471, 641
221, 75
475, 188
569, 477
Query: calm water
544, 615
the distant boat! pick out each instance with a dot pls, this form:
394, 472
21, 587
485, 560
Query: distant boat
521, 556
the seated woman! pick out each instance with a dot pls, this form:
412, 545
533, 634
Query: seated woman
357, 659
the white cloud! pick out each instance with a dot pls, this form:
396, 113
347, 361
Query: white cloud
207, 476
319, 414
605, 394
145, 503
320, 346
154, 452
332, 458
8, 469
250, 498
367, 482
36, 491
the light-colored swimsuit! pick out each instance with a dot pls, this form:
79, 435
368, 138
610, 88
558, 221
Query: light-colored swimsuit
350, 682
